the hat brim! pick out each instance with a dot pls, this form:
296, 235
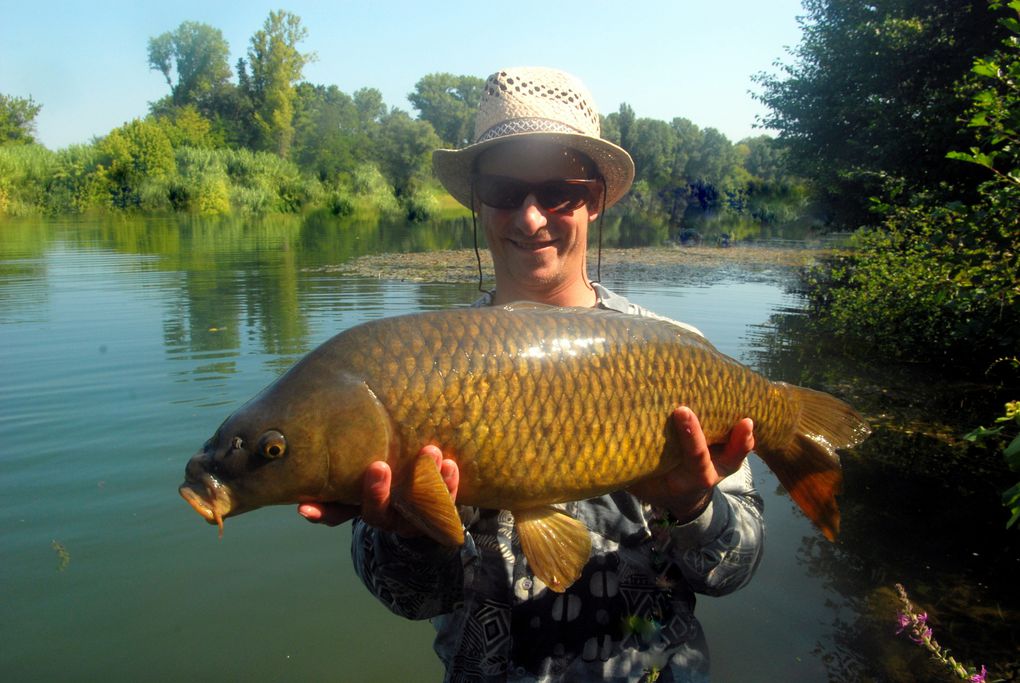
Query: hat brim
454, 167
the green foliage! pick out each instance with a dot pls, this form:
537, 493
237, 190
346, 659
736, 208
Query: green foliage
78, 183
403, 150
261, 182
197, 54
935, 284
940, 281
328, 134
187, 127
17, 119
871, 96
199, 149
449, 103
685, 171
276, 65
202, 185
134, 157
24, 171
1007, 438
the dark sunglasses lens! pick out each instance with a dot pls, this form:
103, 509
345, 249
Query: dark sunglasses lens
561, 197
501, 193
557, 196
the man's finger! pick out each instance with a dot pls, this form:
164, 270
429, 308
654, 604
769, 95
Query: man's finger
375, 502
739, 444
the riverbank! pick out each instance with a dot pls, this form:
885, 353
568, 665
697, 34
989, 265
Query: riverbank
656, 263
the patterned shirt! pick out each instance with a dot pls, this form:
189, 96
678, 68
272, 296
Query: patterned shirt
630, 616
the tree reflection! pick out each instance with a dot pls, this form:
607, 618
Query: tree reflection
919, 507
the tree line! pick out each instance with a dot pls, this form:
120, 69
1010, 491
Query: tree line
257, 137
904, 115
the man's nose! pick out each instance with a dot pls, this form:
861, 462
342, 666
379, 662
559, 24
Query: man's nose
530, 216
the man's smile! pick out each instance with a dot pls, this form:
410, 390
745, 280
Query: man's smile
531, 245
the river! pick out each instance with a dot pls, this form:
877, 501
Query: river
124, 343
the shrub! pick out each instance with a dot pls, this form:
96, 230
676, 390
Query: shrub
24, 170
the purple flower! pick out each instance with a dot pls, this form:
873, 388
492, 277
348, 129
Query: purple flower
903, 621
979, 677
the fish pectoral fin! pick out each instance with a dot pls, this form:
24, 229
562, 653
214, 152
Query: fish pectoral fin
557, 545
424, 500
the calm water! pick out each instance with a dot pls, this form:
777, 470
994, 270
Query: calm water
122, 347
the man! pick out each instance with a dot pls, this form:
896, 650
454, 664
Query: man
537, 175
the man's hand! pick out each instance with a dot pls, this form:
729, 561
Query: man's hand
375, 508
687, 489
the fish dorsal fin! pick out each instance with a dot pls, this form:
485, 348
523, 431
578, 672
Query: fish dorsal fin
557, 545
423, 499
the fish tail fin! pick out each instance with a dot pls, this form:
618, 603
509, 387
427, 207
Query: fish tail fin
808, 467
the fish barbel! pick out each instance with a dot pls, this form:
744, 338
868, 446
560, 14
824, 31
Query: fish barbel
537, 405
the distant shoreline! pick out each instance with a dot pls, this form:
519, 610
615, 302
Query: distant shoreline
455, 266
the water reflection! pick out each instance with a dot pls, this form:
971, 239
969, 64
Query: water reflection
914, 511
125, 343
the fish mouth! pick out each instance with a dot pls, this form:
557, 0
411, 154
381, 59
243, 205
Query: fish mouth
209, 497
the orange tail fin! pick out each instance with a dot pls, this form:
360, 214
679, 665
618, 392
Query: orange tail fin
809, 467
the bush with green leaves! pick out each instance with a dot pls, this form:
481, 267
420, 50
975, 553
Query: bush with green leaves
936, 281
137, 160
24, 172
78, 183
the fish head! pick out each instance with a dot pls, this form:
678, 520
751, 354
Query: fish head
257, 457
308, 437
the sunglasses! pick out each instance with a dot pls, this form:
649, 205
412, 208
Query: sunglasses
556, 196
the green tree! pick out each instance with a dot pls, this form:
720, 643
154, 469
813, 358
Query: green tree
276, 66
17, 119
134, 160
326, 130
186, 127
869, 98
370, 106
940, 281
404, 151
449, 103
193, 60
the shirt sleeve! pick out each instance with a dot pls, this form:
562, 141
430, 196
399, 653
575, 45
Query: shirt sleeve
719, 551
415, 578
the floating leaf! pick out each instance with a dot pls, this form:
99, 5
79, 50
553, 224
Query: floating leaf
63, 556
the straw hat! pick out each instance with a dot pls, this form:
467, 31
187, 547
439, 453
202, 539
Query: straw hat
525, 102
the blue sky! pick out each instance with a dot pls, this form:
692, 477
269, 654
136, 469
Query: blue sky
86, 63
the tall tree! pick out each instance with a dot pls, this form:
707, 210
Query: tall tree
17, 119
276, 66
326, 130
870, 95
403, 150
449, 103
196, 54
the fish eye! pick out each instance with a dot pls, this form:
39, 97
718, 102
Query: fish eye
272, 444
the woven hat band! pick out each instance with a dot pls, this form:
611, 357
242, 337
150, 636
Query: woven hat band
526, 125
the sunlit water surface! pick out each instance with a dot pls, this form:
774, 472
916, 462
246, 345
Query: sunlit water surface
122, 347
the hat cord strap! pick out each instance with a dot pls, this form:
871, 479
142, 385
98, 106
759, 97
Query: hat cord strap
474, 235
602, 217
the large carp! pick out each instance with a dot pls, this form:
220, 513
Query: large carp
537, 405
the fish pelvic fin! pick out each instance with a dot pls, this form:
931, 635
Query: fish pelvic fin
809, 466
423, 499
557, 545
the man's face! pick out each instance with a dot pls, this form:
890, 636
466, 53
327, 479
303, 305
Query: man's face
535, 249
